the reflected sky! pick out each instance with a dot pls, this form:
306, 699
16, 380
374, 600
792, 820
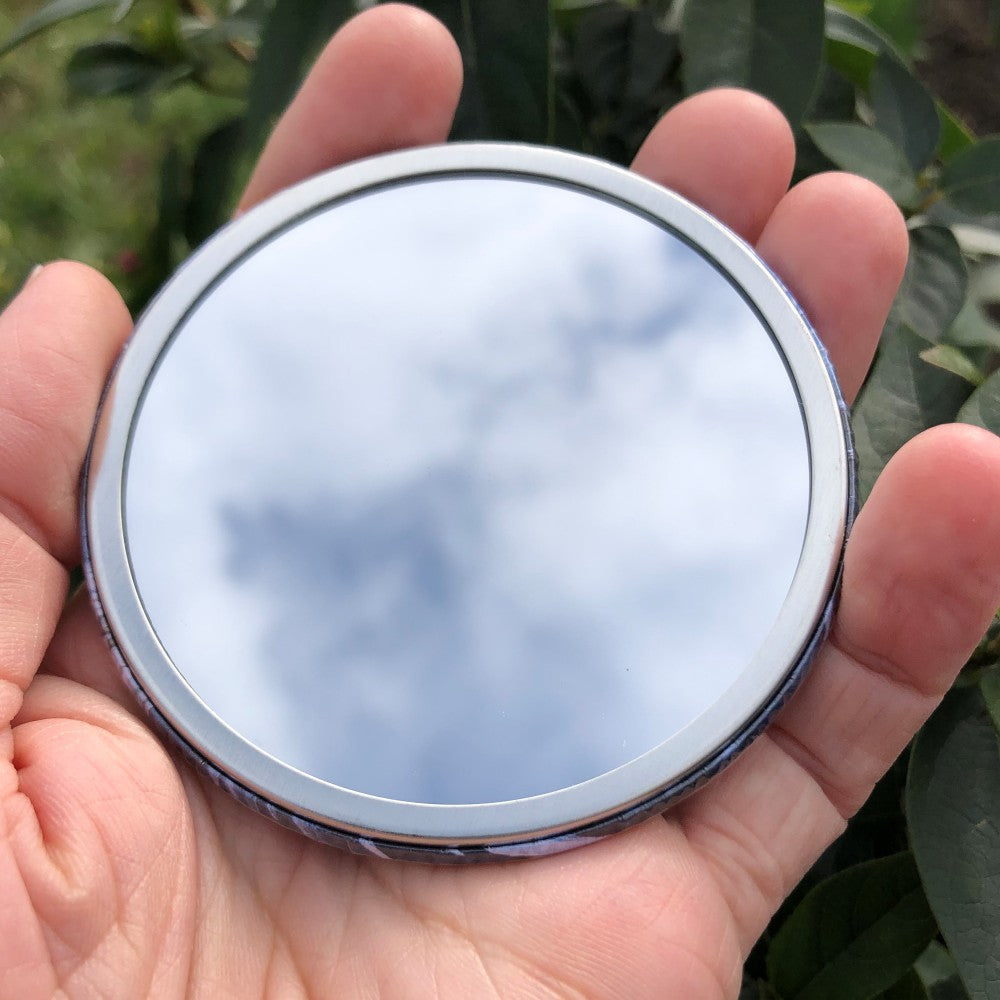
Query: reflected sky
466, 490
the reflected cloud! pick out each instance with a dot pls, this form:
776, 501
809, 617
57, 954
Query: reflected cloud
475, 488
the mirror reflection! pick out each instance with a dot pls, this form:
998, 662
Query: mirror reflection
466, 490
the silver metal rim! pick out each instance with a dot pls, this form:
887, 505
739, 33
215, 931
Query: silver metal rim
555, 813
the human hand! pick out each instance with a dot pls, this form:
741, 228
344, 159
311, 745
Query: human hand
124, 873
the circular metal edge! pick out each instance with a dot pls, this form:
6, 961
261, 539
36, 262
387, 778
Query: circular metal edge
555, 818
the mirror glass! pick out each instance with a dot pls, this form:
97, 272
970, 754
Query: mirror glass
466, 489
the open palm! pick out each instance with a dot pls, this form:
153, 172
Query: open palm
124, 874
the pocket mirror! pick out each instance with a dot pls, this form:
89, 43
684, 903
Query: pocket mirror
467, 502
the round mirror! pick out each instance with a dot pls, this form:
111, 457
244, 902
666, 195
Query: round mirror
469, 500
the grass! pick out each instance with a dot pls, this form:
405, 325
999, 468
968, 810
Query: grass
79, 178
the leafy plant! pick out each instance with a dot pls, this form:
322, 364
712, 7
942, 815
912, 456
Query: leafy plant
907, 903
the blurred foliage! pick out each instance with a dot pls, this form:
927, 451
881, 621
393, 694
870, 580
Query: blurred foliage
907, 903
78, 176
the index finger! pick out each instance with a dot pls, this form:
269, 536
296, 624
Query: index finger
390, 78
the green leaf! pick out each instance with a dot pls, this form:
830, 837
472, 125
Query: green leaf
51, 13
989, 684
862, 150
853, 62
853, 46
901, 20
955, 136
859, 8
939, 974
601, 52
231, 29
971, 179
508, 92
292, 34
116, 67
848, 26
853, 935
212, 181
951, 359
563, 6
652, 52
910, 987
622, 55
953, 807
949, 989
163, 248
935, 965
902, 397
878, 828
622, 60
774, 47
570, 125
836, 99
935, 283
971, 328
983, 407
905, 111
852, 49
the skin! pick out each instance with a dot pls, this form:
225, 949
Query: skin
123, 874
